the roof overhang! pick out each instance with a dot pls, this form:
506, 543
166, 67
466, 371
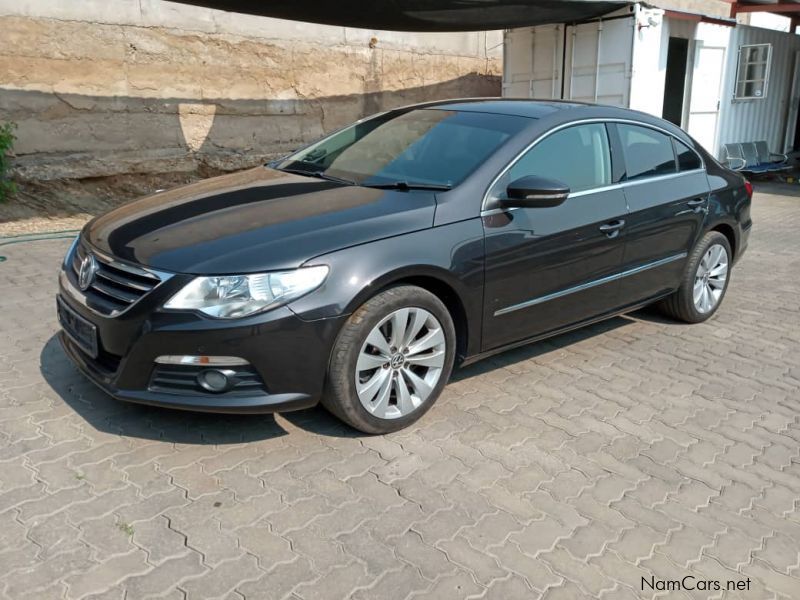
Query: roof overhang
787, 8
422, 15
698, 18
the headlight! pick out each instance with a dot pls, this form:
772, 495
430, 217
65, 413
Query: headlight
231, 296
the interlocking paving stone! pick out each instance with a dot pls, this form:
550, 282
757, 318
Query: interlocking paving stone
571, 468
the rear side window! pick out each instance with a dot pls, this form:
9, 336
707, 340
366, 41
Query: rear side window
688, 159
578, 156
648, 153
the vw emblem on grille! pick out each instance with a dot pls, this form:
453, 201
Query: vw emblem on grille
86, 273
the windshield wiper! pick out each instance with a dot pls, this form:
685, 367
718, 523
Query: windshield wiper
319, 175
405, 185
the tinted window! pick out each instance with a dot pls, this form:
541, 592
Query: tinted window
578, 156
647, 152
422, 146
687, 158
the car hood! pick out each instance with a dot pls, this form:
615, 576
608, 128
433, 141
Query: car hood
255, 220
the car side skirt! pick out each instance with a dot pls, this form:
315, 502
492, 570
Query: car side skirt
580, 324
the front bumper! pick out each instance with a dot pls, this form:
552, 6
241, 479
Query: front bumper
256, 403
289, 354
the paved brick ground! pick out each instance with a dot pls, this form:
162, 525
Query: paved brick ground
567, 469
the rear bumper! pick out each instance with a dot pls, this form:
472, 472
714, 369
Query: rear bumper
744, 239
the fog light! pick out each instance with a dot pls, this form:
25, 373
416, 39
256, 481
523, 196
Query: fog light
215, 381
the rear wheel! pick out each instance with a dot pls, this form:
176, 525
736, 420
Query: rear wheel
391, 360
704, 282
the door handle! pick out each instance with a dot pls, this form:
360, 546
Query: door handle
612, 229
698, 205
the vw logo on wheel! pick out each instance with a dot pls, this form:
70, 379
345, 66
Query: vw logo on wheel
86, 273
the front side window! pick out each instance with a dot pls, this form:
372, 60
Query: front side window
578, 156
648, 153
752, 72
424, 146
688, 159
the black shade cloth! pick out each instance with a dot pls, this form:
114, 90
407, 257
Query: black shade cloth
421, 15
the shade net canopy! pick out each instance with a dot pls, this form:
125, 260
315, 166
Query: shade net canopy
421, 15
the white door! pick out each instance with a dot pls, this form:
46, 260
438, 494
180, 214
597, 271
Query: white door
599, 62
709, 63
794, 104
533, 62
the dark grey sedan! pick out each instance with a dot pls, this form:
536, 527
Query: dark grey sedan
359, 270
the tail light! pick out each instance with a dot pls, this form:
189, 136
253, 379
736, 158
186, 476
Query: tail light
748, 187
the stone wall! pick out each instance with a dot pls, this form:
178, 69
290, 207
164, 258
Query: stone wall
104, 87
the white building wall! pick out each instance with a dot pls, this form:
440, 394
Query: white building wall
595, 65
630, 68
532, 59
649, 61
599, 61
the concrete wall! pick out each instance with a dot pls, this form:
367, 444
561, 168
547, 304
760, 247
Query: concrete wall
101, 87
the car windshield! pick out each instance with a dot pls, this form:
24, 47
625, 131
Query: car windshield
424, 147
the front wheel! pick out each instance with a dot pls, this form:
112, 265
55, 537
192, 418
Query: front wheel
391, 360
704, 282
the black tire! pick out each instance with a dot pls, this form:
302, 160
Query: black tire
680, 305
341, 397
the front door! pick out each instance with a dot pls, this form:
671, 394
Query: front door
667, 192
547, 268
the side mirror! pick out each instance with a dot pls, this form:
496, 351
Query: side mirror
534, 192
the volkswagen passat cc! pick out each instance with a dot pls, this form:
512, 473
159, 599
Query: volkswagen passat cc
360, 269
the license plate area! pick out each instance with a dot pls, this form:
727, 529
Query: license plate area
80, 331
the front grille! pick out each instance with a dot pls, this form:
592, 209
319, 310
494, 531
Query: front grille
182, 379
115, 286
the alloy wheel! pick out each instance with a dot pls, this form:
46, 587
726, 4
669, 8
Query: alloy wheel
710, 278
400, 363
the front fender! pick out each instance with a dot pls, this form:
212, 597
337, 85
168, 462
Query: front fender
451, 254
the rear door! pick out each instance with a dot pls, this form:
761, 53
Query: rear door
547, 268
667, 190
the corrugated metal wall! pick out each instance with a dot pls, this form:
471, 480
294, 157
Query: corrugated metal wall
763, 118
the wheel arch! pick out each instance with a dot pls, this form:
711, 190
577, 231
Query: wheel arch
729, 232
437, 282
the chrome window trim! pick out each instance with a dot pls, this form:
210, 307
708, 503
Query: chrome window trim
606, 188
634, 182
613, 186
589, 284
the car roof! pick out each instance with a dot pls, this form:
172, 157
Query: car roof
552, 112
521, 107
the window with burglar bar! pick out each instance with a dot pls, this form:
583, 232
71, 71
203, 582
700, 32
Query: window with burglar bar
752, 74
